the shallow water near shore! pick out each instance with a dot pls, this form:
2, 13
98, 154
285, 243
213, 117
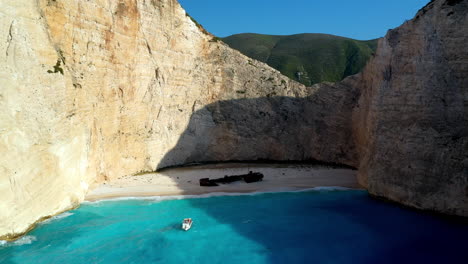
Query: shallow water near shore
316, 226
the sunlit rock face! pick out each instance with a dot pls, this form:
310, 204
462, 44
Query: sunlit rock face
98, 89
93, 90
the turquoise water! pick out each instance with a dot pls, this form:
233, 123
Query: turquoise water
304, 227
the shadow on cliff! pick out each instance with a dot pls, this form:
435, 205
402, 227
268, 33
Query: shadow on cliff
314, 128
306, 130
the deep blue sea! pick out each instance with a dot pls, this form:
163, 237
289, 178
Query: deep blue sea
319, 226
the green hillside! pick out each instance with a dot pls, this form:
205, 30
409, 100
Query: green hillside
307, 58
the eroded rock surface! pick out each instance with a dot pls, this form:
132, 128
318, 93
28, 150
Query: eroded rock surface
93, 90
411, 122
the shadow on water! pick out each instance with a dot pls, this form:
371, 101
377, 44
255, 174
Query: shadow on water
334, 227
338, 227
348, 229
274, 129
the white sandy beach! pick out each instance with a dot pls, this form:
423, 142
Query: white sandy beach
185, 181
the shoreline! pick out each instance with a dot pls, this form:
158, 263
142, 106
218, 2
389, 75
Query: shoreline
184, 181
217, 194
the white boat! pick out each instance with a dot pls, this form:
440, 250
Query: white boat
187, 224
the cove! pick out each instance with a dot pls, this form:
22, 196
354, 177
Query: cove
315, 226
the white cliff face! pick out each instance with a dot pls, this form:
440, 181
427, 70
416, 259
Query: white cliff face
42, 148
98, 89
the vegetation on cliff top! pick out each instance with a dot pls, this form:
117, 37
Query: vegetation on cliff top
307, 58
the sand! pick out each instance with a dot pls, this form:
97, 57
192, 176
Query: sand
185, 181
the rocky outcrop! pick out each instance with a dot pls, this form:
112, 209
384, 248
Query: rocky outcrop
411, 122
93, 90
280, 128
403, 121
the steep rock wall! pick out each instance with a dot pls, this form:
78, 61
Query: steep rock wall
411, 123
96, 89
280, 128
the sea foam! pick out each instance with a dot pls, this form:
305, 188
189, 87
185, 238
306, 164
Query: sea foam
25, 240
57, 217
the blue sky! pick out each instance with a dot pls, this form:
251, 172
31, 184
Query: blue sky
359, 19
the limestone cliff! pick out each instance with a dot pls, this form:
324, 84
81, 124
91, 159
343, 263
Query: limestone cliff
99, 89
411, 122
403, 121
